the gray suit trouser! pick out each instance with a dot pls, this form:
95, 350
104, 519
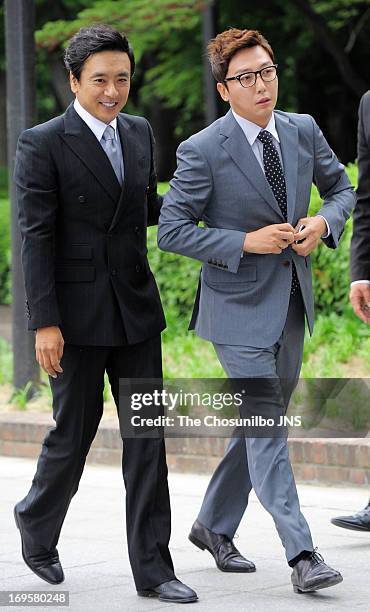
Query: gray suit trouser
261, 463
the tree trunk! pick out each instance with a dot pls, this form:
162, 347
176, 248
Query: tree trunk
163, 122
60, 84
3, 139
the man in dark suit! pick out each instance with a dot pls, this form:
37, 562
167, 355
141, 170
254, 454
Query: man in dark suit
360, 264
87, 190
360, 244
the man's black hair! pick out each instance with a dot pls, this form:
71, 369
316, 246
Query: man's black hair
95, 39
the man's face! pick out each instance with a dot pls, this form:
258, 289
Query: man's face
104, 84
254, 103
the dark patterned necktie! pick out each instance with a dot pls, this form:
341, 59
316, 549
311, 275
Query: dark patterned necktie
276, 179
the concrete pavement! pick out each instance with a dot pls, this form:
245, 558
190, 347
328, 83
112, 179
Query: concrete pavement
93, 549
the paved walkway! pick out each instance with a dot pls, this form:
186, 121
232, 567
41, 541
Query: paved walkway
94, 553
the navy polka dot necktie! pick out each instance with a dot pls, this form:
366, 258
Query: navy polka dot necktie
275, 176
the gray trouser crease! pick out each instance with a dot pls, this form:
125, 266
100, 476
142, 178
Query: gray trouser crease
261, 463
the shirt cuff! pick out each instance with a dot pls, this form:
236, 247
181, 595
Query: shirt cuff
328, 232
364, 282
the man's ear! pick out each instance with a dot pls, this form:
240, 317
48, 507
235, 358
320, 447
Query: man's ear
73, 83
223, 91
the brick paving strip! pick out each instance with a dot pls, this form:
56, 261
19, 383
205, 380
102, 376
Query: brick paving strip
316, 460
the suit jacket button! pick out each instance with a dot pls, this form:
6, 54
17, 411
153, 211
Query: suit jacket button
286, 264
137, 268
137, 229
113, 272
81, 198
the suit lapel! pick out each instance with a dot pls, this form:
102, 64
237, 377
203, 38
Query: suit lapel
241, 152
288, 135
83, 143
128, 135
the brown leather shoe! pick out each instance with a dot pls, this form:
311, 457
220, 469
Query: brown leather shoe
312, 574
226, 555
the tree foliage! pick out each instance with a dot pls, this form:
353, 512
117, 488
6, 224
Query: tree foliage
166, 37
321, 47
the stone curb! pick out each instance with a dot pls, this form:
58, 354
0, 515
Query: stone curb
324, 460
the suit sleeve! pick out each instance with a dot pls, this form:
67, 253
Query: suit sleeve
37, 197
360, 243
153, 198
184, 204
334, 187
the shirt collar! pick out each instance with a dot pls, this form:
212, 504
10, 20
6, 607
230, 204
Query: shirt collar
251, 130
95, 125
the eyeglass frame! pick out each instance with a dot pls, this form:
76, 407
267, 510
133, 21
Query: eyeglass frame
256, 73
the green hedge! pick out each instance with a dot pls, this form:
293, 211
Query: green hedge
330, 268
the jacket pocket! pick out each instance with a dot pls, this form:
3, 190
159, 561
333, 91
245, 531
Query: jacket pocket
221, 278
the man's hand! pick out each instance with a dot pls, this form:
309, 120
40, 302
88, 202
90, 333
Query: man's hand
360, 300
269, 239
49, 349
315, 227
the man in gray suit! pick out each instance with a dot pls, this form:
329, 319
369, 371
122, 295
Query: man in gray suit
248, 177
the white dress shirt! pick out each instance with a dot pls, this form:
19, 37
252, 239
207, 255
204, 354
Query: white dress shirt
98, 127
251, 131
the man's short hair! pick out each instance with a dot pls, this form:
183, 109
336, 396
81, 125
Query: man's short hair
222, 48
95, 39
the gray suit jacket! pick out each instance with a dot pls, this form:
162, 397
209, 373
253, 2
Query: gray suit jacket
244, 300
360, 244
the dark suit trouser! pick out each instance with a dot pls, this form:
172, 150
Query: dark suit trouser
77, 410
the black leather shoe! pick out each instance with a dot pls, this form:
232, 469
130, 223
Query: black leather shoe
172, 591
312, 574
358, 522
45, 564
226, 555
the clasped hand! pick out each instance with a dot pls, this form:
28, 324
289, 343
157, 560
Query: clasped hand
277, 237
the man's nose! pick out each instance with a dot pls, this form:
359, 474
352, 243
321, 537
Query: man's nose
110, 90
260, 84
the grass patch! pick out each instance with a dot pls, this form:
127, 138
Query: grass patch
185, 355
3, 182
336, 341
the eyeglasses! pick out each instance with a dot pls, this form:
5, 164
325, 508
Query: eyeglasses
248, 79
